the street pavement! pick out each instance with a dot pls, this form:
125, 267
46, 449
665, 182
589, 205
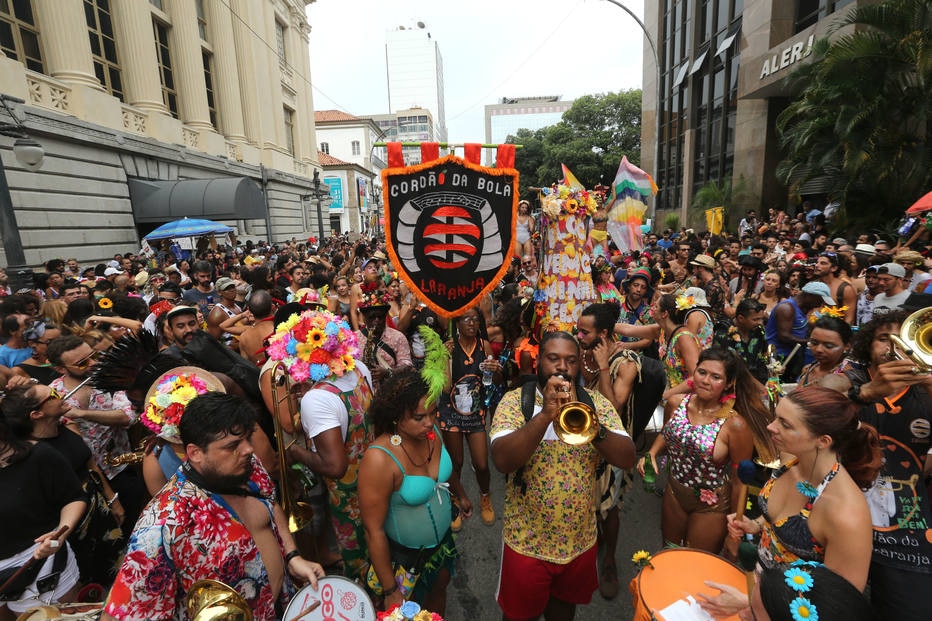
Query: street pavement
471, 595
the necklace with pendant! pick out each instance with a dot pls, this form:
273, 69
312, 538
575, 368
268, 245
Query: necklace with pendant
468, 360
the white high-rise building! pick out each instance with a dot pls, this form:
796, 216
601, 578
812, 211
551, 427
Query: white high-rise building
415, 73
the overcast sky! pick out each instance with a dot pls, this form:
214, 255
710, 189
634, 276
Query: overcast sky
491, 49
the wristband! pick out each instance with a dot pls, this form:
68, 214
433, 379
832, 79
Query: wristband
603, 369
113, 499
387, 592
291, 555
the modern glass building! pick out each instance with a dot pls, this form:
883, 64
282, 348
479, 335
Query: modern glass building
415, 73
721, 88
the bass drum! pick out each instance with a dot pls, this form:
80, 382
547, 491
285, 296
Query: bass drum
678, 572
336, 597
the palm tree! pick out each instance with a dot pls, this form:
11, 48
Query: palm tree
864, 108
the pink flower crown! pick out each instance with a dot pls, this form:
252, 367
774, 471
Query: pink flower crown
314, 346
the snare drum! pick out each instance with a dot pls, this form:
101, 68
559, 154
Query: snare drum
336, 597
677, 573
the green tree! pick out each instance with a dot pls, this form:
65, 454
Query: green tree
863, 111
590, 139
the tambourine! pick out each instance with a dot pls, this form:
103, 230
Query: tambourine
336, 597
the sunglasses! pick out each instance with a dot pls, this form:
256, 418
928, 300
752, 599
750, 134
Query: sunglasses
85, 362
53, 394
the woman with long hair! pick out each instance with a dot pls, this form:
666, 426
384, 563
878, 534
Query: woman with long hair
773, 291
338, 300
829, 340
705, 434
43, 504
813, 508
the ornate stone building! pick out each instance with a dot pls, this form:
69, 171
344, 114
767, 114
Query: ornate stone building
151, 110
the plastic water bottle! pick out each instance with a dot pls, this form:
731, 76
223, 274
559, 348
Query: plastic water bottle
486, 373
650, 475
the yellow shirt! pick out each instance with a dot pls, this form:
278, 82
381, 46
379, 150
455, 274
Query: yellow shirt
554, 519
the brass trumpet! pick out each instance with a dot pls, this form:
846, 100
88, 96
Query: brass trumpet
576, 423
210, 600
298, 512
915, 340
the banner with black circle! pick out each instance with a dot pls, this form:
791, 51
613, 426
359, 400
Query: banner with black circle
450, 229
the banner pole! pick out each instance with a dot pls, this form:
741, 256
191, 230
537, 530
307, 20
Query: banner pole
445, 145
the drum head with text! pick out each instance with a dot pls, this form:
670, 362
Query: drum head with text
336, 597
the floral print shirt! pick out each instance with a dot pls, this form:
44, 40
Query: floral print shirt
103, 439
553, 519
186, 534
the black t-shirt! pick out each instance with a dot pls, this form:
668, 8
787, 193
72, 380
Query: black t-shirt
899, 501
34, 490
73, 449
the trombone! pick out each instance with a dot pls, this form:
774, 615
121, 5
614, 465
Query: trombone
298, 512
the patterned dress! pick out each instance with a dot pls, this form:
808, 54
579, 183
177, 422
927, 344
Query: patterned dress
690, 448
461, 408
672, 364
186, 534
344, 501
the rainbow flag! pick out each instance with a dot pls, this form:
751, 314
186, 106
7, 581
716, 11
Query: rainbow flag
631, 181
570, 180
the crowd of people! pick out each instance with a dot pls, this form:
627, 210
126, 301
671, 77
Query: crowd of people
156, 408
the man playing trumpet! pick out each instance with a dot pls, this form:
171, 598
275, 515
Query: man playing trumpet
549, 558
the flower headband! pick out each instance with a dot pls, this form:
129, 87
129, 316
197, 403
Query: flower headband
169, 396
837, 312
314, 345
801, 608
685, 302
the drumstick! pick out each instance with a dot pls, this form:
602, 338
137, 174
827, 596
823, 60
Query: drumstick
307, 610
786, 360
32, 559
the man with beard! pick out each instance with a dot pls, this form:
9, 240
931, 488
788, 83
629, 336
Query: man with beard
615, 376
549, 559
827, 270
216, 519
299, 279
872, 288
101, 418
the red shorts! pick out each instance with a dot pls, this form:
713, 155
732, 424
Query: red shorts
526, 584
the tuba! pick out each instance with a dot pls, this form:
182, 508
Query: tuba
210, 600
915, 340
298, 512
576, 423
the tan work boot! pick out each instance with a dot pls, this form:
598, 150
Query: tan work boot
486, 510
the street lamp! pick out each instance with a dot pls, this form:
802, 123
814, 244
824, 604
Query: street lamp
320, 195
653, 48
29, 153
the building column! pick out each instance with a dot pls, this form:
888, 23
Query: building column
226, 77
188, 61
299, 55
245, 65
68, 58
132, 29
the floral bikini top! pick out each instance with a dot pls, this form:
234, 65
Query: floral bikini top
790, 539
690, 448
